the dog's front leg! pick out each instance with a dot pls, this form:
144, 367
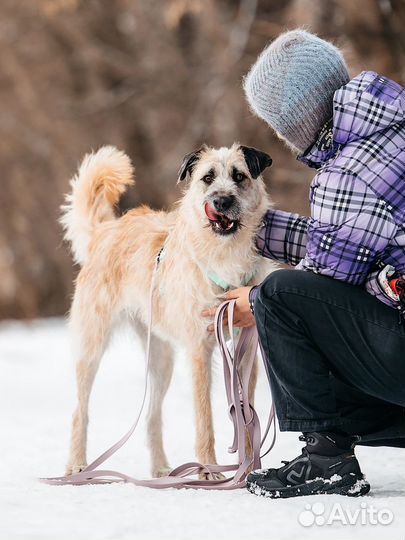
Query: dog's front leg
251, 394
205, 440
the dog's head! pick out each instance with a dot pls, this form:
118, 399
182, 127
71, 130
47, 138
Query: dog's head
226, 189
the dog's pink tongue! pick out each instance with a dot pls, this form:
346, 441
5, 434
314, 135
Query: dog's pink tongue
211, 214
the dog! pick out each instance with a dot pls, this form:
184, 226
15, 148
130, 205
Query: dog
211, 231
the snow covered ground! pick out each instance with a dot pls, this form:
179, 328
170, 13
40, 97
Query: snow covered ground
37, 398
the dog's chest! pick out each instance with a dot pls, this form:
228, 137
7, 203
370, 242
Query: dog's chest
186, 287
230, 279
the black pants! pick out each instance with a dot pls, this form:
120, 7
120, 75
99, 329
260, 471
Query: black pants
334, 355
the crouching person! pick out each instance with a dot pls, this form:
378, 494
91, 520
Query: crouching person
332, 332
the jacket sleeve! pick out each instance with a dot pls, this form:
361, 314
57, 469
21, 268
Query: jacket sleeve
283, 236
349, 229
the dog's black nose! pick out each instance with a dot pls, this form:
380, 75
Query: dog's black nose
223, 203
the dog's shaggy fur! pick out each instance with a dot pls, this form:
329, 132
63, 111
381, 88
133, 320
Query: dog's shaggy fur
118, 257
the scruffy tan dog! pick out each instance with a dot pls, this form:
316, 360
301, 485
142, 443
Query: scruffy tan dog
209, 241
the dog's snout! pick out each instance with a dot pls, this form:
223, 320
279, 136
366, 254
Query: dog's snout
223, 202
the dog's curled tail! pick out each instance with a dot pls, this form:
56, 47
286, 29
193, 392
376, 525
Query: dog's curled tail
96, 188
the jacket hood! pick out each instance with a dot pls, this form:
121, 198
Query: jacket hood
367, 104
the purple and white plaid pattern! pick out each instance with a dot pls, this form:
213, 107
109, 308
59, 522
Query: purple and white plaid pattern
358, 194
283, 236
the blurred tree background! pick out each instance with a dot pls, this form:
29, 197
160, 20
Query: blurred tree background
156, 78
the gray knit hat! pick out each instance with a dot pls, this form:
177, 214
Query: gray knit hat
292, 83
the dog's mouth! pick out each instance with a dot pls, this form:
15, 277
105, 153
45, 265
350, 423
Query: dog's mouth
220, 223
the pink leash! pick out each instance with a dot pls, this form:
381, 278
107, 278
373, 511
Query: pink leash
244, 418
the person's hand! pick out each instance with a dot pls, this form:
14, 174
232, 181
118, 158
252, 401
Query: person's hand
243, 317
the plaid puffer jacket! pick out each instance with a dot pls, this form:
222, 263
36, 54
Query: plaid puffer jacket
358, 194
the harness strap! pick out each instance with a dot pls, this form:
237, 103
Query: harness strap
212, 275
245, 420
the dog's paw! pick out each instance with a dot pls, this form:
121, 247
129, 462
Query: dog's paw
74, 469
211, 476
159, 472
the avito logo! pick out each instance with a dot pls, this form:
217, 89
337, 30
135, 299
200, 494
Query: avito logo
365, 514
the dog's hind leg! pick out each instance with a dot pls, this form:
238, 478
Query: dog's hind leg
90, 327
161, 369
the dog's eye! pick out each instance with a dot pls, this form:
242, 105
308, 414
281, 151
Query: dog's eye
239, 177
208, 179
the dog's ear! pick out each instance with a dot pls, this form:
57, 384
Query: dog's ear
256, 160
188, 164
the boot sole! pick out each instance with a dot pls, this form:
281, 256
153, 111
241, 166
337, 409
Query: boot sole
351, 485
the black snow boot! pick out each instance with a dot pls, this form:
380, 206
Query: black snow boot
327, 464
